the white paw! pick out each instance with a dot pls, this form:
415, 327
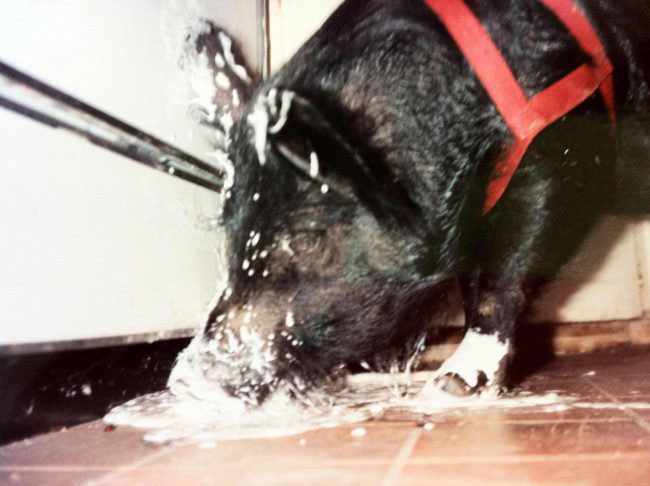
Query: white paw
477, 362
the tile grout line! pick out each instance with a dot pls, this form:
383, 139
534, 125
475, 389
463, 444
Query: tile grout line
402, 457
130, 468
529, 459
526, 458
631, 413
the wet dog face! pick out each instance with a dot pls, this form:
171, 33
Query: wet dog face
315, 276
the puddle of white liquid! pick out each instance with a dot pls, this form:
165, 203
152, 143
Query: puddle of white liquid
190, 420
184, 420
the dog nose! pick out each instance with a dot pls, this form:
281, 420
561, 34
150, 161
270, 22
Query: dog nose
242, 359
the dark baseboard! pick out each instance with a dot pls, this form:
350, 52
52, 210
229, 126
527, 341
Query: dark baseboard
46, 391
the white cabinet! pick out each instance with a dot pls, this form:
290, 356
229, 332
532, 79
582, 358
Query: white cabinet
93, 245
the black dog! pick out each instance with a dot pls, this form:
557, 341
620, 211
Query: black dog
360, 178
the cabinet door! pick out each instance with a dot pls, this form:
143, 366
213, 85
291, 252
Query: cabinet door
93, 245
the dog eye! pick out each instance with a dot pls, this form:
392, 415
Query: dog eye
306, 242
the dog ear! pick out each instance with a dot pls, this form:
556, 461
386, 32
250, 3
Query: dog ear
218, 76
306, 139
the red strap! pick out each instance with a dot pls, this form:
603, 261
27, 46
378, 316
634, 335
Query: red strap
524, 117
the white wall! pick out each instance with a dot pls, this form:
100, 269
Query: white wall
291, 22
602, 283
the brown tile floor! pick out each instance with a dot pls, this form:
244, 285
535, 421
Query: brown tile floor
488, 447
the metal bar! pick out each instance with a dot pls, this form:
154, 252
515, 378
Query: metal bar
263, 41
32, 98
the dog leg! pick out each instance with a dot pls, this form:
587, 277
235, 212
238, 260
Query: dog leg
492, 307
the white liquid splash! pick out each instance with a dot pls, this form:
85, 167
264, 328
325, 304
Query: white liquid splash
186, 419
183, 419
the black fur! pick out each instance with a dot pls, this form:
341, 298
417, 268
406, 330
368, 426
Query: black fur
406, 138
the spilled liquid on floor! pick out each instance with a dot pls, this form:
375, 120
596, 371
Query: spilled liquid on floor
180, 418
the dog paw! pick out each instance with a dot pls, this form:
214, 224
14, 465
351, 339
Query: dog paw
477, 364
456, 385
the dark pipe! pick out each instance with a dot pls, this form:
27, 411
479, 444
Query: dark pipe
27, 96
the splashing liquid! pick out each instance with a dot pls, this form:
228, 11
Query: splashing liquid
184, 418
195, 409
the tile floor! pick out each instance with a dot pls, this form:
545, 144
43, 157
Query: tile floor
606, 446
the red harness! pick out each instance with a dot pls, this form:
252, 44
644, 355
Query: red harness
527, 117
